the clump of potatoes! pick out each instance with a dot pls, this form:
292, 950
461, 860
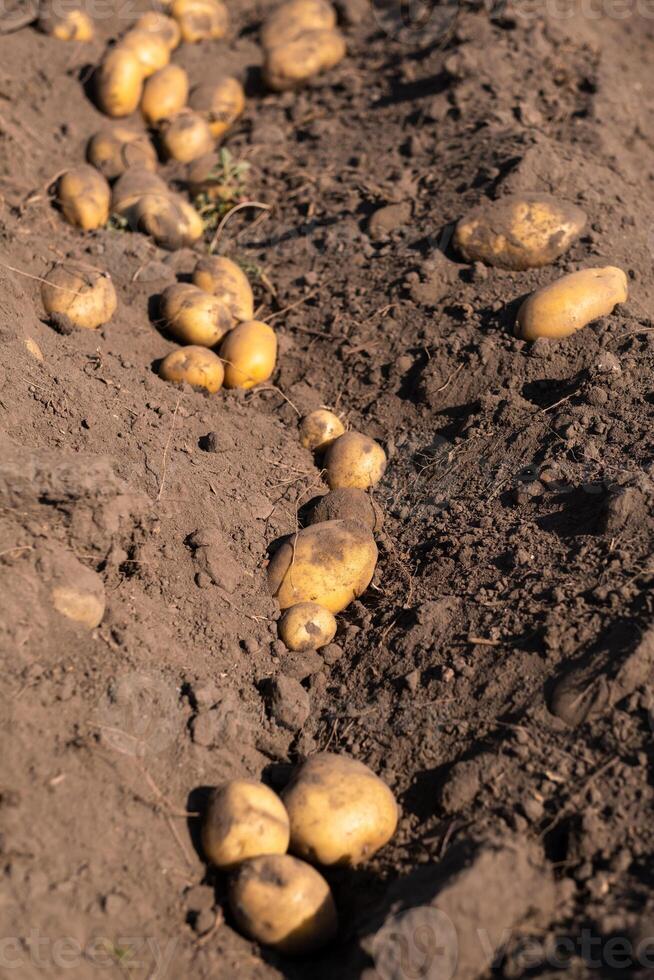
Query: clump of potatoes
565, 306
300, 40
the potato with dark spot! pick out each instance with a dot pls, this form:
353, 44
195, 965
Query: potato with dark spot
348, 504
113, 151
565, 306
354, 460
220, 103
244, 819
77, 296
194, 317
218, 275
293, 63
84, 197
307, 626
197, 366
319, 429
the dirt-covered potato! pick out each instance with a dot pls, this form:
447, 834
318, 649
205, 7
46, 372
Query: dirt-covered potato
319, 429
77, 592
76, 296
194, 317
250, 353
225, 279
348, 504
295, 62
164, 94
283, 903
185, 136
201, 20
113, 151
171, 221
197, 366
132, 185
340, 811
220, 103
520, 231
157, 23
307, 626
65, 25
84, 197
243, 820
151, 50
119, 83
354, 460
293, 18
330, 563
570, 303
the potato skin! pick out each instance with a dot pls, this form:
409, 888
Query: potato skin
319, 429
307, 626
165, 93
85, 298
293, 18
295, 62
185, 136
354, 460
157, 23
250, 353
220, 103
284, 903
570, 303
244, 819
520, 231
151, 50
113, 151
84, 197
330, 563
194, 317
197, 366
201, 20
223, 278
119, 83
340, 811
70, 25
349, 504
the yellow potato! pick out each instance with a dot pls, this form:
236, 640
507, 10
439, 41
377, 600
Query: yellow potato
571, 303
113, 151
164, 26
319, 429
283, 903
330, 563
165, 93
225, 279
244, 819
194, 317
520, 231
293, 18
250, 353
354, 460
185, 136
84, 197
151, 50
119, 82
291, 64
134, 184
77, 603
65, 25
170, 220
201, 20
79, 296
348, 504
196, 366
340, 811
220, 103
307, 626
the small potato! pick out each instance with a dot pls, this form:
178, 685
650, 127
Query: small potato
152, 50
197, 366
119, 83
340, 811
348, 504
201, 20
243, 820
220, 103
571, 303
185, 136
250, 353
520, 231
65, 25
307, 626
162, 25
319, 429
293, 18
113, 151
284, 903
84, 197
225, 279
354, 460
74, 295
294, 63
330, 563
165, 94
194, 317
171, 221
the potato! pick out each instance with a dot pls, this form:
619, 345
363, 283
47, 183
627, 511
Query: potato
133, 185
319, 429
243, 820
194, 317
77, 603
197, 366
113, 151
250, 353
295, 62
354, 460
348, 504
84, 197
201, 20
119, 82
152, 50
570, 303
225, 279
307, 626
165, 94
170, 220
330, 563
520, 231
160, 24
340, 811
65, 25
77, 296
293, 18
185, 136
283, 903
220, 103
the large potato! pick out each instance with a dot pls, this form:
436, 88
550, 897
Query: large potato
185, 136
220, 103
330, 563
165, 93
194, 317
319, 429
84, 197
77, 296
340, 811
196, 366
295, 62
119, 82
307, 626
354, 460
250, 353
243, 820
293, 18
226, 280
571, 303
520, 231
284, 903
201, 20
113, 151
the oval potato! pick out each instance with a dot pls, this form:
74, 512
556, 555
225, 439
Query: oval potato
165, 93
113, 151
194, 317
354, 460
197, 366
250, 353
84, 297
244, 819
84, 197
307, 626
119, 83
295, 62
293, 18
570, 303
185, 136
152, 50
220, 103
223, 278
319, 429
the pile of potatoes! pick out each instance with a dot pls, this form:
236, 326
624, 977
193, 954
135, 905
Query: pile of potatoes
335, 811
